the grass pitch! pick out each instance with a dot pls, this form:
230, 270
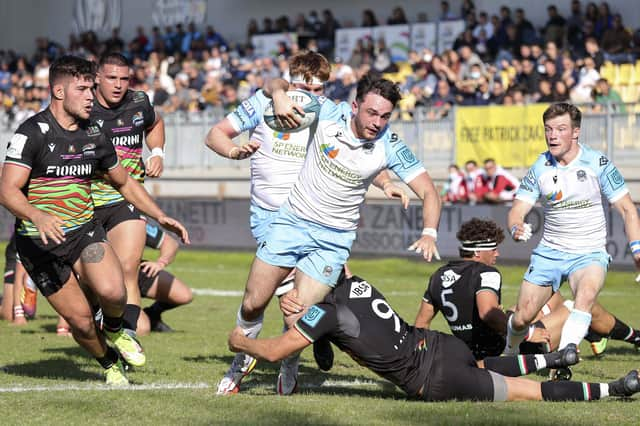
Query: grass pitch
45, 379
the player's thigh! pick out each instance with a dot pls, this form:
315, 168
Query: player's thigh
100, 270
310, 291
586, 283
167, 288
127, 239
263, 280
531, 299
70, 302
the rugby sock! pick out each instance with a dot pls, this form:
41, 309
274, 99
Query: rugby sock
157, 308
622, 331
592, 336
112, 324
110, 357
131, 315
575, 328
519, 365
573, 391
251, 329
514, 337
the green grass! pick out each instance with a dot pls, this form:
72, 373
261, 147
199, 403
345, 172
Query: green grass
70, 392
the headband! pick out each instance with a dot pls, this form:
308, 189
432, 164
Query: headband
479, 245
299, 78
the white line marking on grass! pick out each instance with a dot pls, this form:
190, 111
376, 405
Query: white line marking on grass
102, 387
217, 293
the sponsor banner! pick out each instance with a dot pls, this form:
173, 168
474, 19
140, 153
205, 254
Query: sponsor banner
267, 44
423, 36
448, 31
385, 228
100, 16
512, 135
397, 39
171, 12
346, 40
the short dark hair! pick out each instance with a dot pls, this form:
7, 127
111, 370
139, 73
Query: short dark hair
380, 86
471, 162
562, 108
479, 230
114, 58
70, 66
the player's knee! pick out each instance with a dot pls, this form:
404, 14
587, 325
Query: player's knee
184, 297
250, 309
114, 294
82, 326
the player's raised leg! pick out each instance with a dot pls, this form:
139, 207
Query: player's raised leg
531, 299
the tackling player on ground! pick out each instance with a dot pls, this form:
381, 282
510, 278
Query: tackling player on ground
127, 118
570, 180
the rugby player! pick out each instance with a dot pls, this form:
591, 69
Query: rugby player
159, 284
468, 293
46, 183
126, 117
276, 159
316, 226
425, 364
569, 179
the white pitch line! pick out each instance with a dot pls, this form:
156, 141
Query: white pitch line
217, 293
102, 387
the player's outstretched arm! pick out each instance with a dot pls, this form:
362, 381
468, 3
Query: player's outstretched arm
219, 139
168, 252
271, 349
520, 231
391, 190
13, 179
154, 137
629, 214
424, 188
288, 113
490, 312
137, 195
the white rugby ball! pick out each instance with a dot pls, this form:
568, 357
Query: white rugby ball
306, 100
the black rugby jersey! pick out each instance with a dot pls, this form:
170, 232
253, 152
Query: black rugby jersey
452, 290
63, 165
358, 320
124, 125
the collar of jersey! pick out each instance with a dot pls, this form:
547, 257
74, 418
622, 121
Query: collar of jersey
355, 141
574, 161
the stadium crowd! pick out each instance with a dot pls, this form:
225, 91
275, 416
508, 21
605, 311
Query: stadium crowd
500, 58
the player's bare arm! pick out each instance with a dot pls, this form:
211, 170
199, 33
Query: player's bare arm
391, 190
271, 349
490, 312
425, 315
135, 193
287, 112
13, 179
154, 137
516, 222
168, 252
219, 139
629, 214
424, 188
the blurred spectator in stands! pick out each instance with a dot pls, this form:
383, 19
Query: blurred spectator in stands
282, 24
214, 38
593, 51
369, 18
397, 17
362, 53
560, 92
156, 41
591, 13
635, 45
552, 53
327, 32
315, 22
5, 77
551, 73
575, 22
445, 12
230, 100
302, 26
442, 71
509, 46
455, 190
342, 83
475, 181
582, 92
252, 29
468, 58
169, 38
604, 21
468, 7
501, 185
570, 74
555, 28
497, 93
137, 45
441, 102
267, 26
422, 17
616, 42
606, 97
452, 60
529, 79
482, 46
160, 95
525, 32
483, 24
545, 92
465, 38
470, 22
114, 43
504, 21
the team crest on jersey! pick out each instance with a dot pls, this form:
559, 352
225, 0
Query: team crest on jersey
93, 131
449, 278
313, 316
120, 122
44, 128
582, 175
138, 119
406, 157
368, 147
360, 290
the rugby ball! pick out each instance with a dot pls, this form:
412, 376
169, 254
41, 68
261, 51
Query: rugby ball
306, 100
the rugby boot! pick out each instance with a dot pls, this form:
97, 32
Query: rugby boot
625, 386
128, 347
241, 367
288, 377
115, 376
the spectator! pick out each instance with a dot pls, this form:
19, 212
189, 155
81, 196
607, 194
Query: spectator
591, 13
607, 97
327, 32
582, 92
252, 30
545, 92
282, 24
467, 8
114, 43
604, 21
554, 29
616, 42
501, 185
497, 93
529, 79
455, 190
560, 92
445, 12
575, 22
570, 74
397, 17
267, 26
525, 32
137, 45
383, 62
483, 24
369, 18
213, 38
441, 102
476, 181
592, 48
551, 72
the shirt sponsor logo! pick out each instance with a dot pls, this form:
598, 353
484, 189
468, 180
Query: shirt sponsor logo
490, 280
554, 196
126, 140
138, 119
138, 97
16, 145
603, 161
93, 131
248, 108
313, 316
360, 290
329, 150
73, 170
449, 278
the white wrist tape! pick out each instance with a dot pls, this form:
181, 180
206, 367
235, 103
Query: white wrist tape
157, 152
432, 232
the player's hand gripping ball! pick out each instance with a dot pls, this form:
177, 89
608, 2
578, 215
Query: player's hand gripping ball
306, 100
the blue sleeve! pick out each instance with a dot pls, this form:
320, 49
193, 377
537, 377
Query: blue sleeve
249, 113
331, 111
529, 189
612, 183
400, 159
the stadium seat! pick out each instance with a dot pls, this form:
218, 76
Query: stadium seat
609, 71
626, 74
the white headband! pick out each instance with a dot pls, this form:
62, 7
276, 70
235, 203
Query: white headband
482, 245
299, 79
